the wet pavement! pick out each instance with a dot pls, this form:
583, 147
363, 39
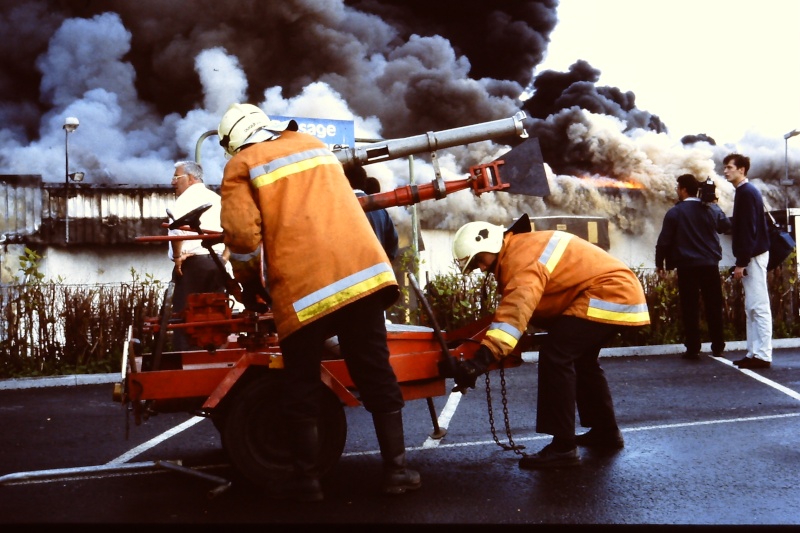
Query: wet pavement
706, 444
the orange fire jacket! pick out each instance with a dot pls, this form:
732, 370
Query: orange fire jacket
291, 197
545, 274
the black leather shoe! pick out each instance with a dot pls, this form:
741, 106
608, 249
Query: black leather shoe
754, 362
690, 355
601, 439
717, 353
547, 457
740, 361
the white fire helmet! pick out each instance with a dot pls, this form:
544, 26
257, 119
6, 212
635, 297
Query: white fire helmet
244, 124
473, 238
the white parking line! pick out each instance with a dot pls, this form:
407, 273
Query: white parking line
119, 467
455, 398
712, 422
628, 429
758, 377
50, 476
450, 408
624, 430
444, 418
127, 456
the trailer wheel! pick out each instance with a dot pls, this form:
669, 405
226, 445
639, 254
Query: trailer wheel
256, 440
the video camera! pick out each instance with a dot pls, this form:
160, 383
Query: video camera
707, 191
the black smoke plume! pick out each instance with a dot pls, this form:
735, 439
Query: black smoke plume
147, 78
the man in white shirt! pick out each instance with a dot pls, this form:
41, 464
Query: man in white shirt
195, 270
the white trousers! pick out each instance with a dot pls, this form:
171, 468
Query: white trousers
758, 314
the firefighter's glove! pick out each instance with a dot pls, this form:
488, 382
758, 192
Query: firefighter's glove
467, 371
255, 297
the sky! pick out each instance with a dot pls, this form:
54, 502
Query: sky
719, 67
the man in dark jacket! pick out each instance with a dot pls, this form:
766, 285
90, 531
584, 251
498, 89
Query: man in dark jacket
379, 219
689, 241
751, 248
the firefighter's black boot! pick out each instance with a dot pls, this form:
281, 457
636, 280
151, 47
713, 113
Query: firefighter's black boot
397, 479
306, 486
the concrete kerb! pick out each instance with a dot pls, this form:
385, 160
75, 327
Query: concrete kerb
528, 357
673, 349
59, 381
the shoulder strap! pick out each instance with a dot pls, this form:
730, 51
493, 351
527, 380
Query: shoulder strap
771, 218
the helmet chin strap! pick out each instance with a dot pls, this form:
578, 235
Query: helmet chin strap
225, 140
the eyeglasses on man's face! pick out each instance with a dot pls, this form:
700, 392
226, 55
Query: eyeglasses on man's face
176, 178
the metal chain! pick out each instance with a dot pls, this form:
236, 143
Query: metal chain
510, 446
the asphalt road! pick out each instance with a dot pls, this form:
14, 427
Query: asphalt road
706, 444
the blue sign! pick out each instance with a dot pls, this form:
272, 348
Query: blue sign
331, 132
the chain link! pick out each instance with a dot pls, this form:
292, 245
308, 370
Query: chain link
516, 448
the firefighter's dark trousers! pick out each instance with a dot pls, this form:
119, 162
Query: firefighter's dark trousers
361, 329
570, 375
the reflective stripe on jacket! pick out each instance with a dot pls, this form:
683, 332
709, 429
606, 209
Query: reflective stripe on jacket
545, 274
319, 248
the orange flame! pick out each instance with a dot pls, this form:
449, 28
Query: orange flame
601, 181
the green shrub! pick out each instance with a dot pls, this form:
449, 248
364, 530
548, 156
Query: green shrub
457, 299
51, 328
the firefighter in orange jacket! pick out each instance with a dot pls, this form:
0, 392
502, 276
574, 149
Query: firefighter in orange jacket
582, 296
285, 195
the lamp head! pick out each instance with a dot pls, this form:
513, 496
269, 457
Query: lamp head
71, 124
77, 176
791, 134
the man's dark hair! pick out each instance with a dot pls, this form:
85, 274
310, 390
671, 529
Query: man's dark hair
741, 161
372, 186
357, 177
690, 183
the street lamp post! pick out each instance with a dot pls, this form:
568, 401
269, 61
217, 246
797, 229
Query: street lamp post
786, 181
70, 124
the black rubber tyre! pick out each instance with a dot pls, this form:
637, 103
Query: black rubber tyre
255, 437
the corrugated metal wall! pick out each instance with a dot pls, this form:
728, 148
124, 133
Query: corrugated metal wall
98, 214
21, 206
116, 214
